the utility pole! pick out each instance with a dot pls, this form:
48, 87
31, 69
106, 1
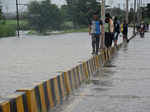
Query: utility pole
134, 17
138, 11
17, 16
103, 19
127, 10
141, 5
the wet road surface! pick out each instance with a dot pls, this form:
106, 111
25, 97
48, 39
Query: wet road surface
32, 59
125, 87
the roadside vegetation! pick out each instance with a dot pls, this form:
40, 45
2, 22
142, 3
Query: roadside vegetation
7, 30
8, 27
43, 17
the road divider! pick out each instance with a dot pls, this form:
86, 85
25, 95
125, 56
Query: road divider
15, 103
49, 94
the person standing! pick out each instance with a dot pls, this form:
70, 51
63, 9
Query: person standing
147, 27
95, 31
116, 30
125, 31
109, 31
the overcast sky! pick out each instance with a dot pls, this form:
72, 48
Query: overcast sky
9, 5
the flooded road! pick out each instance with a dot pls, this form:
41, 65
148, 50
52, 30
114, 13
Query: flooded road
32, 59
124, 87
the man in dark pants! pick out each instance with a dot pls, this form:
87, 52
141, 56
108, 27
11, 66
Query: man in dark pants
109, 30
116, 30
95, 31
125, 31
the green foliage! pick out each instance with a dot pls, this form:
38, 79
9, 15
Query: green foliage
67, 25
65, 13
117, 12
44, 16
148, 10
146, 13
0, 13
131, 16
7, 30
23, 24
147, 20
80, 11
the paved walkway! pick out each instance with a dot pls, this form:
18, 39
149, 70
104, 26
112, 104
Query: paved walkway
124, 87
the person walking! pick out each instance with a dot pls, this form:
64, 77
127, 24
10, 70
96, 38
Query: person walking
142, 29
125, 31
116, 30
95, 26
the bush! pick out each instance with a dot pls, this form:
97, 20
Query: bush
7, 30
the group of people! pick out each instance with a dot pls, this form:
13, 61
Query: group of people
142, 27
112, 29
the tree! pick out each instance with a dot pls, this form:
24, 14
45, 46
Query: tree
0, 14
2, 18
0, 10
131, 15
65, 13
148, 10
44, 16
80, 10
146, 13
117, 12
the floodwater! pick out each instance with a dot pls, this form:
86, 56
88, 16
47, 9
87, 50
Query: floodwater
31, 59
124, 87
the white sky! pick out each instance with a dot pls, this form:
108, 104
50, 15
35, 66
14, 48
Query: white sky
9, 5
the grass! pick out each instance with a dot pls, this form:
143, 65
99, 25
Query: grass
14, 22
7, 30
23, 24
